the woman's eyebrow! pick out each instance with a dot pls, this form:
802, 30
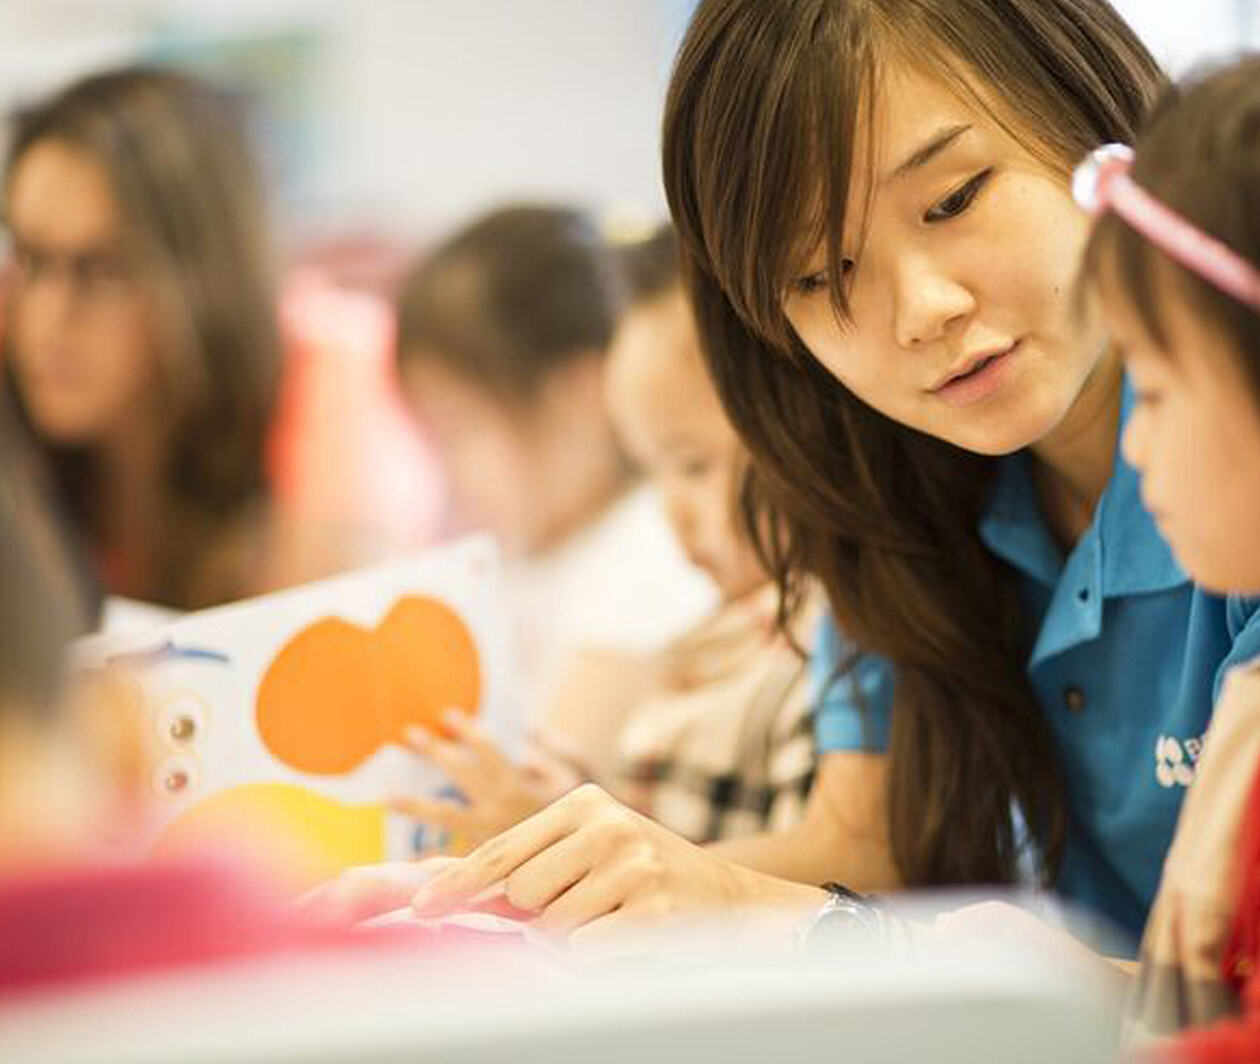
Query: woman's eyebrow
940, 140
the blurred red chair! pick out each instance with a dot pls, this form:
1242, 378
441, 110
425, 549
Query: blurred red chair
347, 462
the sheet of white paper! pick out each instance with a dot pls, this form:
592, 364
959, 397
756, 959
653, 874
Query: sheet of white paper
285, 712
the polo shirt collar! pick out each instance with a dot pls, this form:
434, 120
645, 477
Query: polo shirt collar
1121, 553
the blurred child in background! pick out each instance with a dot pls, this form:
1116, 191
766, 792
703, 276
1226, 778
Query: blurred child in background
74, 910
720, 744
503, 338
68, 912
1175, 259
140, 334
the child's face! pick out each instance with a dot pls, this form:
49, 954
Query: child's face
527, 471
964, 247
82, 342
1194, 436
672, 423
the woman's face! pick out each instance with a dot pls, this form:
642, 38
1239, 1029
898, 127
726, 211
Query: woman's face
81, 340
960, 268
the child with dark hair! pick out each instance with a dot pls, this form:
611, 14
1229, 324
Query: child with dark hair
72, 911
718, 743
1175, 262
503, 339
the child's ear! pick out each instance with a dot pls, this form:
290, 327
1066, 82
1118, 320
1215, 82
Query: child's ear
581, 381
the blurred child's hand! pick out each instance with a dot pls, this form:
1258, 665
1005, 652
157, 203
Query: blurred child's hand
497, 792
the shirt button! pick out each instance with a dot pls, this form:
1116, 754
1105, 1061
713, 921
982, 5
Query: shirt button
1074, 698
1083, 594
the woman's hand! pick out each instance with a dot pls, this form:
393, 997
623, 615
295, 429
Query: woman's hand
498, 794
590, 869
365, 891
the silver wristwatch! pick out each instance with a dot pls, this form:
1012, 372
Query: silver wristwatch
846, 917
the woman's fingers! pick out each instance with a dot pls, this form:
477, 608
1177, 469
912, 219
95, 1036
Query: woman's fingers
601, 891
501, 856
368, 890
558, 869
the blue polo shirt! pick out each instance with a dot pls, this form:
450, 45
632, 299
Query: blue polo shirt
1127, 661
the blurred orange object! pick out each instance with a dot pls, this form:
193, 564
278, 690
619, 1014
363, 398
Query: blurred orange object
336, 691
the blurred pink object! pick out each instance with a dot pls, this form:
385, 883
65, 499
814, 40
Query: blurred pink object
95, 924
344, 450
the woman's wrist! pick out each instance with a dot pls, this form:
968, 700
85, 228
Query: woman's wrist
776, 908
752, 889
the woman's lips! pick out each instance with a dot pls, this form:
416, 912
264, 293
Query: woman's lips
979, 381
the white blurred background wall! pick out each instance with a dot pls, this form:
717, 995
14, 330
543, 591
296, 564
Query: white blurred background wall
400, 113
404, 115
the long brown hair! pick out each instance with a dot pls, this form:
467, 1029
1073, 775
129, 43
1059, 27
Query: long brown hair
179, 163
765, 104
1200, 155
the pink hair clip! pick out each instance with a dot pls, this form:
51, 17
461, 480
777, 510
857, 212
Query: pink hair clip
1102, 183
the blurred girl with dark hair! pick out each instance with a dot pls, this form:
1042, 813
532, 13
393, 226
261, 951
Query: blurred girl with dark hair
140, 334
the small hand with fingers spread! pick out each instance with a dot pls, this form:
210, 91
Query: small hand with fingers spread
498, 793
590, 870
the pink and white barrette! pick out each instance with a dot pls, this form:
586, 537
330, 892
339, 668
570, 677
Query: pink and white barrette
1102, 183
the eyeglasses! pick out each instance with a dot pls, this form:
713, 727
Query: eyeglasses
1102, 183
94, 275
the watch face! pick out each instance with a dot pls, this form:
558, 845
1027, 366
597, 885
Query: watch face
847, 922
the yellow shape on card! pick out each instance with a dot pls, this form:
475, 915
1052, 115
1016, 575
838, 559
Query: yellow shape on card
299, 836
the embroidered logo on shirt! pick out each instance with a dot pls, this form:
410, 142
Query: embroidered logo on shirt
1176, 760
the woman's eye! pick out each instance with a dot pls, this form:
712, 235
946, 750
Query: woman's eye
810, 283
819, 279
959, 200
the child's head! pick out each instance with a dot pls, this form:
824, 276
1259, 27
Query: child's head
142, 305
671, 421
1191, 345
503, 333
47, 783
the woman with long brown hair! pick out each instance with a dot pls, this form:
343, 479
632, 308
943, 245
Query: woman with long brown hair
881, 244
140, 335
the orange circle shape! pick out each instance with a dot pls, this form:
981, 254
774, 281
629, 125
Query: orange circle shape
335, 692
